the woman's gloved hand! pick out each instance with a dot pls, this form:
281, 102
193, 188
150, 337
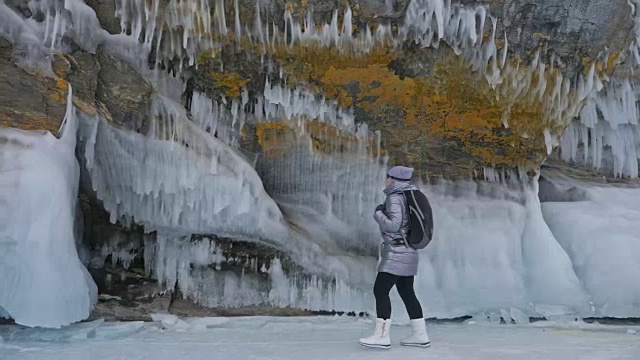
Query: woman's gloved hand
380, 207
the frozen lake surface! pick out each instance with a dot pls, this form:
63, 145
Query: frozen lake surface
314, 338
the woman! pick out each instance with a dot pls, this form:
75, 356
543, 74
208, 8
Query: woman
398, 265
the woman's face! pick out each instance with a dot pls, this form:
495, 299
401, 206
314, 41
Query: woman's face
389, 181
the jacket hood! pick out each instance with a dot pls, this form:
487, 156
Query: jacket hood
399, 186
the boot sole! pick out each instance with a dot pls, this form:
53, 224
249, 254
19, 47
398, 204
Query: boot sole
375, 346
422, 345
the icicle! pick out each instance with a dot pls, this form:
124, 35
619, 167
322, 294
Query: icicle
220, 19
237, 25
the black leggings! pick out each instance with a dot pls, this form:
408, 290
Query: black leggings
404, 284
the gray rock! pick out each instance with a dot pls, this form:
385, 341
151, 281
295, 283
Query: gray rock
576, 31
105, 11
29, 101
83, 75
126, 93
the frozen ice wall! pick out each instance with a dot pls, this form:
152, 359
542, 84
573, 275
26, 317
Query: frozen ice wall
42, 281
601, 234
493, 253
493, 256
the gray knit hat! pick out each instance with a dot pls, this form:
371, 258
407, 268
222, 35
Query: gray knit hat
400, 173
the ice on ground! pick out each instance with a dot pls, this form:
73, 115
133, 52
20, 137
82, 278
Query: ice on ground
602, 237
76, 332
97, 330
312, 338
42, 281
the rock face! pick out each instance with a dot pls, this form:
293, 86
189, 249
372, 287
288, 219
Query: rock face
575, 32
433, 111
126, 94
29, 101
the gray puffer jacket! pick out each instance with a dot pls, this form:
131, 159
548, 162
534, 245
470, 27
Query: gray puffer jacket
400, 260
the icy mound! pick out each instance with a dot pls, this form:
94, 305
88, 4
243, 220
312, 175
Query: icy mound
602, 237
493, 251
42, 281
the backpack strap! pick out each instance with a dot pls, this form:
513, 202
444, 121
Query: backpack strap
406, 209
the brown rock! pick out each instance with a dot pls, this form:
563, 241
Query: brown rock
125, 93
29, 101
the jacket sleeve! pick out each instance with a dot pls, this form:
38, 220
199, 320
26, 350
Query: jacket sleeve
391, 222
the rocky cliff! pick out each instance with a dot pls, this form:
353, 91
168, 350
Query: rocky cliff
241, 144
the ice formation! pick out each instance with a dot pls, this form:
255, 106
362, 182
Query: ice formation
42, 281
604, 248
121, 247
608, 131
504, 248
178, 178
504, 262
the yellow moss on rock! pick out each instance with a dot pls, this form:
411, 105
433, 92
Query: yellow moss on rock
231, 82
274, 137
453, 103
278, 137
307, 65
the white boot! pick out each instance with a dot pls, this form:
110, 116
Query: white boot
380, 338
419, 335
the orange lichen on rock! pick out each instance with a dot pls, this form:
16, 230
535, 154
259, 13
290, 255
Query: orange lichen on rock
231, 82
56, 89
453, 103
328, 139
28, 121
606, 67
61, 66
308, 65
276, 138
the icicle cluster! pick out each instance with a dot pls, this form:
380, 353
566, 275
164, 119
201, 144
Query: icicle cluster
328, 196
282, 103
179, 177
122, 249
194, 267
70, 18
430, 22
609, 122
216, 119
313, 293
29, 50
171, 256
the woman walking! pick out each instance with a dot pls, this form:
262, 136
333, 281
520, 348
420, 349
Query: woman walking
398, 264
